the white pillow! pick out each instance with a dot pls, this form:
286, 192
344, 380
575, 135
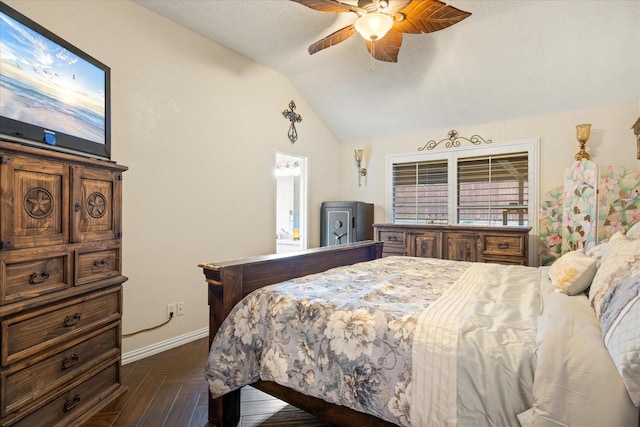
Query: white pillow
615, 297
634, 232
573, 272
623, 343
575, 384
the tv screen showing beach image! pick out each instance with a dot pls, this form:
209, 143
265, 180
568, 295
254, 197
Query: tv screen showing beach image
45, 85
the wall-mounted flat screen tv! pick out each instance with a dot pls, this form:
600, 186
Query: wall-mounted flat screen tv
51, 92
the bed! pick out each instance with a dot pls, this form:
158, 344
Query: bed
357, 339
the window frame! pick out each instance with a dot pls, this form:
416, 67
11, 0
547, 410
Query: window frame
531, 146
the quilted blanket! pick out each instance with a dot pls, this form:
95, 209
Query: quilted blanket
346, 335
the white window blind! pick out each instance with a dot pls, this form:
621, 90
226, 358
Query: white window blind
420, 192
493, 190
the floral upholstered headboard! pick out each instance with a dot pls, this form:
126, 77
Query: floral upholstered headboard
618, 208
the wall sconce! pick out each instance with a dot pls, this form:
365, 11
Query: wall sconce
358, 154
582, 134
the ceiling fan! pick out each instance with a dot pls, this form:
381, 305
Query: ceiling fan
382, 22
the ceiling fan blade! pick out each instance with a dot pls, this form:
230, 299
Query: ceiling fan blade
330, 6
427, 16
387, 48
332, 39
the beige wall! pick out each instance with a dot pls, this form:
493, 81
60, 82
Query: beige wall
612, 142
199, 125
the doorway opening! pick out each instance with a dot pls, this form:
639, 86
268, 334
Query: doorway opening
291, 202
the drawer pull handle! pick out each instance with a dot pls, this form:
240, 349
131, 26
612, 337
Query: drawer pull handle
71, 321
69, 362
503, 246
391, 238
101, 264
70, 404
36, 278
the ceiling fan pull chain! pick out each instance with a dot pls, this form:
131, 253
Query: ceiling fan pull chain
373, 49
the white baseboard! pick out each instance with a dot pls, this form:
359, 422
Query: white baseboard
150, 350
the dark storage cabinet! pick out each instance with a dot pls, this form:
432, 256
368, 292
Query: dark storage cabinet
346, 222
60, 286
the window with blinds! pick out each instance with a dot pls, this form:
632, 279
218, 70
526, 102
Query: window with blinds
493, 190
420, 193
473, 187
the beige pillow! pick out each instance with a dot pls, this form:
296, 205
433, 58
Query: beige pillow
572, 273
634, 232
621, 255
614, 256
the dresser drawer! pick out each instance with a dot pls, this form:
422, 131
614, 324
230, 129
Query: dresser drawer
26, 334
508, 245
394, 242
67, 406
392, 237
21, 279
93, 266
31, 381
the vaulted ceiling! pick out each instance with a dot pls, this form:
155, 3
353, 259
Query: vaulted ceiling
509, 59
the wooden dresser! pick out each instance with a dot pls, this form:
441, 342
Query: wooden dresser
503, 245
60, 286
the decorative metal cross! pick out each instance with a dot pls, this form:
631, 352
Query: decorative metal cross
294, 118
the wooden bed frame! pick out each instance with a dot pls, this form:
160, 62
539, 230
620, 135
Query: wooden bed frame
228, 282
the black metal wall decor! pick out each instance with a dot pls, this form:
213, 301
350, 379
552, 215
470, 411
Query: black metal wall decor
453, 140
294, 118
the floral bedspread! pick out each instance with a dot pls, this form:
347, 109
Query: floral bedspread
343, 336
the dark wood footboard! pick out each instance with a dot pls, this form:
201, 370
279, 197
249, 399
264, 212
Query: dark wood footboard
228, 282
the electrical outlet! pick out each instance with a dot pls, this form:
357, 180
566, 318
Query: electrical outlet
171, 308
180, 308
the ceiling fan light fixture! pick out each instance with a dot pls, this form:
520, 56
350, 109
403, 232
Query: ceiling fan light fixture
374, 25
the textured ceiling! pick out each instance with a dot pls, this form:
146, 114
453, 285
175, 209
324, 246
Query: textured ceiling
509, 59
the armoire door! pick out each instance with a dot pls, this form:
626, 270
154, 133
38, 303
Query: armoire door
96, 199
35, 201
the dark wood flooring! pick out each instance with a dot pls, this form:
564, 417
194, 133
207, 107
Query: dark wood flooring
169, 389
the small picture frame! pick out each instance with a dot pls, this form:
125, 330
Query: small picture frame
636, 130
